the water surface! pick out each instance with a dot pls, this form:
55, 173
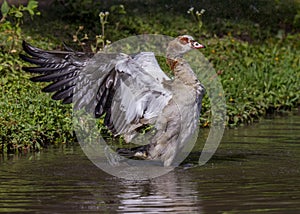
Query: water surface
256, 169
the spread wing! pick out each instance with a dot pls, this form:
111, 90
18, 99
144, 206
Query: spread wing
149, 63
127, 90
59, 67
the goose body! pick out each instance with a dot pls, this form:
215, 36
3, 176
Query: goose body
130, 91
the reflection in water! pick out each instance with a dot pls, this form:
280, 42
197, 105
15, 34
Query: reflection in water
169, 193
53, 182
255, 169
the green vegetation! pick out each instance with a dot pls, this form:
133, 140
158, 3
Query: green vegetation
253, 45
29, 119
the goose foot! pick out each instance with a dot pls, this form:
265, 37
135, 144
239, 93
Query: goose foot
140, 152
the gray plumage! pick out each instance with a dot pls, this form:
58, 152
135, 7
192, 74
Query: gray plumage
131, 91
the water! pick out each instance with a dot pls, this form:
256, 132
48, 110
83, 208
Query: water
256, 169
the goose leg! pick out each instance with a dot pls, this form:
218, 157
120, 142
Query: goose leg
138, 152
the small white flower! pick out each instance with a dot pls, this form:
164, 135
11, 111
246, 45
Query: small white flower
190, 10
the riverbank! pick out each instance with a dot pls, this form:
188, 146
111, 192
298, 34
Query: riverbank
256, 57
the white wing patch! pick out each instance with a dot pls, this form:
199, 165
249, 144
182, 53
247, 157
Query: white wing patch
140, 95
148, 62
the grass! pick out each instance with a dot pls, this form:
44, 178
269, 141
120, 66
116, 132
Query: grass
254, 46
258, 79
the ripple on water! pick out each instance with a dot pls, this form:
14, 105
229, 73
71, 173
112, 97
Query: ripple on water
256, 169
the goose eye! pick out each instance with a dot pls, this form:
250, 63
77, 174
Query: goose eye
197, 45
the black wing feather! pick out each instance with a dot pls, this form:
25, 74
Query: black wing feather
59, 95
60, 84
52, 77
62, 68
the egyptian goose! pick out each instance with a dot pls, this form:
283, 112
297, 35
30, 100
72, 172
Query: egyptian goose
129, 91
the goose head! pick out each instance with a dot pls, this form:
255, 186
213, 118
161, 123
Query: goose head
181, 45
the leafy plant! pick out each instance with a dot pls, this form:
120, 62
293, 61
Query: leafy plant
12, 18
101, 39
